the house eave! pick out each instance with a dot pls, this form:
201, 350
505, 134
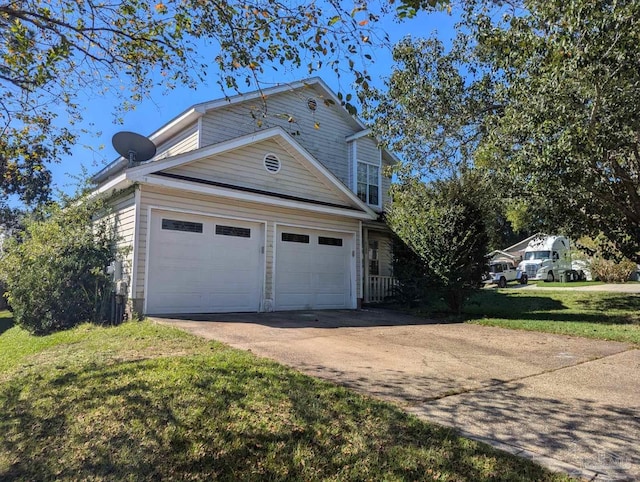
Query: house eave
158, 137
198, 110
243, 195
274, 132
116, 184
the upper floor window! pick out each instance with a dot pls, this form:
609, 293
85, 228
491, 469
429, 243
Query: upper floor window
368, 183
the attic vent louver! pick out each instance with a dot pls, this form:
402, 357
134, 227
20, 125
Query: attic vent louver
312, 104
272, 163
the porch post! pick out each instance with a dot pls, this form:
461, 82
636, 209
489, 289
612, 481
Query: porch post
365, 257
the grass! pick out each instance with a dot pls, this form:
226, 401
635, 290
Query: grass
601, 315
572, 284
147, 402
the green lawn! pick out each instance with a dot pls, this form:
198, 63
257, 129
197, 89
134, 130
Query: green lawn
607, 316
572, 284
148, 402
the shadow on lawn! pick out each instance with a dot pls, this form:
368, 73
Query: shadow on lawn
223, 421
584, 433
545, 308
6, 322
626, 302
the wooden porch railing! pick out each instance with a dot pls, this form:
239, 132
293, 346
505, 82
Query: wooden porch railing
380, 288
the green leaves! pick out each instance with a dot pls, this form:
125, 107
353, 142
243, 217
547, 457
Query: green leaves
52, 54
54, 270
544, 97
442, 225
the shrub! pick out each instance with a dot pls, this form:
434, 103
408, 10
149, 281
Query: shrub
410, 273
445, 229
54, 269
610, 271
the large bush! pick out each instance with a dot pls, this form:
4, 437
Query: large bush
410, 273
605, 261
611, 271
54, 269
445, 229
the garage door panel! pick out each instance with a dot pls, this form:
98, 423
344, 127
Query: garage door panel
198, 272
293, 301
312, 275
329, 282
232, 301
175, 302
180, 281
331, 301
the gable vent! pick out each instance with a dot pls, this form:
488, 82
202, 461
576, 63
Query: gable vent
312, 104
272, 163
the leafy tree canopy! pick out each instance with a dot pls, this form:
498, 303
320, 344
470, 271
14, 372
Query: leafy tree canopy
53, 51
544, 95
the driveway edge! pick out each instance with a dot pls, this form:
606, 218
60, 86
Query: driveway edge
550, 463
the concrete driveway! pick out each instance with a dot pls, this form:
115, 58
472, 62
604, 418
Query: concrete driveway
569, 403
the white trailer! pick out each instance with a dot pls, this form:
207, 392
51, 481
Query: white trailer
546, 258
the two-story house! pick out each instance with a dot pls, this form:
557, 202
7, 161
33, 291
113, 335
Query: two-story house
264, 201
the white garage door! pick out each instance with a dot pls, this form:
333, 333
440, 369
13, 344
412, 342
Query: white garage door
200, 264
313, 269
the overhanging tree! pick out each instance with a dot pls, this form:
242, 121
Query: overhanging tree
544, 95
52, 52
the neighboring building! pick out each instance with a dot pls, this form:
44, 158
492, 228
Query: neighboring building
245, 211
515, 253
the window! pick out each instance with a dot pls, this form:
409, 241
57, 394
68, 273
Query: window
374, 263
233, 231
329, 241
368, 183
295, 238
186, 226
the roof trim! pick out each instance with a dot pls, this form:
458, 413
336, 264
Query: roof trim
233, 193
277, 89
358, 135
115, 184
198, 110
159, 136
225, 185
526, 240
134, 174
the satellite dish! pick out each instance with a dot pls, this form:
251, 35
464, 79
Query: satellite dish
133, 146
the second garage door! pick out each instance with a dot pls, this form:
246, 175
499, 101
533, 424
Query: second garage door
313, 269
201, 264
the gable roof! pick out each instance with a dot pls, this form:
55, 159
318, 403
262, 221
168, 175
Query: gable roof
196, 111
152, 172
521, 245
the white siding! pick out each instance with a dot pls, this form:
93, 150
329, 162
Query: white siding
194, 203
245, 167
123, 215
289, 110
385, 252
386, 185
185, 141
368, 150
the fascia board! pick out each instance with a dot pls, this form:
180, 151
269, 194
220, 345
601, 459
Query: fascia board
250, 197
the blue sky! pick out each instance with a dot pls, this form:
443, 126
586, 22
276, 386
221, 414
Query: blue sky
94, 151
